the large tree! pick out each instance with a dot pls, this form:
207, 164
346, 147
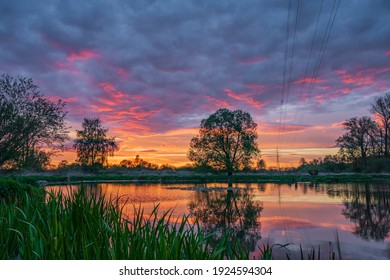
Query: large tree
92, 145
32, 127
227, 141
381, 110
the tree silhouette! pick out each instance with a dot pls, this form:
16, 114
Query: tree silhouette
359, 141
92, 145
226, 141
381, 110
29, 122
234, 210
370, 211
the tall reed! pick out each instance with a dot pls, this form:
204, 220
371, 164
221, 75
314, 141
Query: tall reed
87, 227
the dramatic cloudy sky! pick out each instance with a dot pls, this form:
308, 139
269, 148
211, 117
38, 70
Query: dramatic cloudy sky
152, 70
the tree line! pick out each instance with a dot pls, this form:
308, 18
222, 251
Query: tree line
366, 142
33, 130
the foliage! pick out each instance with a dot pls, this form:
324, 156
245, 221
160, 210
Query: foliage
261, 165
330, 163
138, 163
11, 190
92, 145
226, 141
29, 122
84, 227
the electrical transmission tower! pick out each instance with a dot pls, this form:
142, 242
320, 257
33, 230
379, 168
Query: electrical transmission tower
277, 159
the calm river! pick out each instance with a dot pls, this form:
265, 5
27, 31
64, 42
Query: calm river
306, 214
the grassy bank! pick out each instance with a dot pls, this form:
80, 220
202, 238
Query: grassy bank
81, 227
196, 178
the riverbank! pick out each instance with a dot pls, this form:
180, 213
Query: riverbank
50, 178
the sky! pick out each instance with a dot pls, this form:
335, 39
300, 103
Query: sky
152, 70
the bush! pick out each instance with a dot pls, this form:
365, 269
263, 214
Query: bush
11, 189
378, 165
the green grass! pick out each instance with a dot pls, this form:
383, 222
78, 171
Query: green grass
11, 189
84, 227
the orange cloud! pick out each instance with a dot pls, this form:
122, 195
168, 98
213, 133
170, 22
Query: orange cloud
337, 125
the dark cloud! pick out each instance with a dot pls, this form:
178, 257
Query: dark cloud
172, 63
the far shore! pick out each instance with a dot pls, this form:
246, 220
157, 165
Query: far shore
166, 177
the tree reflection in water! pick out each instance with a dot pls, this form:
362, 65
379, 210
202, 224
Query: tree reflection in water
369, 209
233, 209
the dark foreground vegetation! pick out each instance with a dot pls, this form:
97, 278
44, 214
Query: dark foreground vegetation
87, 227
35, 225
52, 226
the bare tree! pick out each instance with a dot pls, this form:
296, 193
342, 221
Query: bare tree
381, 110
358, 142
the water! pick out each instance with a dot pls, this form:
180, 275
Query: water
355, 216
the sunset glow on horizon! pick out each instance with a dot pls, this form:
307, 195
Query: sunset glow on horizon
152, 70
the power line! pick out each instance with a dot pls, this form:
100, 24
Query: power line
319, 60
300, 99
318, 64
297, 19
287, 84
284, 81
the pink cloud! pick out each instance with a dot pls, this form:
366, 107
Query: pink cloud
129, 125
55, 98
259, 87
387, 52
217, 102
362, 78
81, 55
99, 108
122, 73
245, 97
110, 89
337, 125
66, 66
309, 80
274, 128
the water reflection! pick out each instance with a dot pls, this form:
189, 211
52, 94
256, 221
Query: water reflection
306, 214
369, 209
233, 209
